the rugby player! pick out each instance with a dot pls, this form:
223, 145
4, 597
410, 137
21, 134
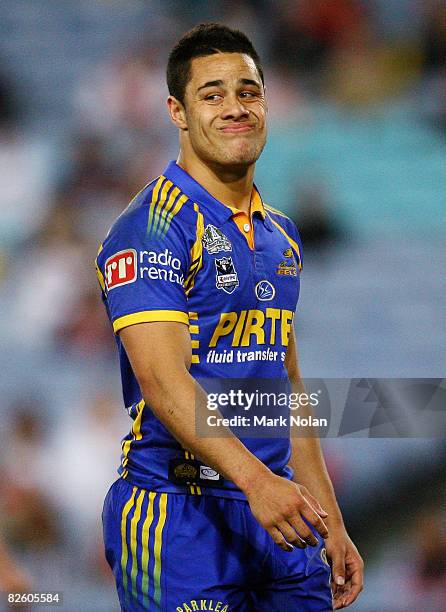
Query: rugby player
200, 279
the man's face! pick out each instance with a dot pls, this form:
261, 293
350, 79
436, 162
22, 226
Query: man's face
225, 109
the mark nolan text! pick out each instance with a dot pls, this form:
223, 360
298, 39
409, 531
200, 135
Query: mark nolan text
264, 421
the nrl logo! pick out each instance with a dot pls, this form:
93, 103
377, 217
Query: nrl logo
226, 277
215, 241
265, 291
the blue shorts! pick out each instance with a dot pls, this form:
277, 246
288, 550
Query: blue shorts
182, 553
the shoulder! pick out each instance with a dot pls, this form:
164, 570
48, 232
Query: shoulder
160, 216
288, 228
277, 216
157, 212
157, 209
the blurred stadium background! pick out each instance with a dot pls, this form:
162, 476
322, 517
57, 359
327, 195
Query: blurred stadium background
356, 155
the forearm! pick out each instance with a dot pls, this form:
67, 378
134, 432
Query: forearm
176, 399
308, 464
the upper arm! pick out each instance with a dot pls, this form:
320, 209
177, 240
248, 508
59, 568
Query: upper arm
144, 274
158, 352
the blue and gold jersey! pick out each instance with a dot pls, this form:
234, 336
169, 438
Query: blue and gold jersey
178, 254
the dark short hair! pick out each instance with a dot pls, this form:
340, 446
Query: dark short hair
204, 39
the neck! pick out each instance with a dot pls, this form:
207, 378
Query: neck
231, 185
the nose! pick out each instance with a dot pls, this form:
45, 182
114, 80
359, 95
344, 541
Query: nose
233, 108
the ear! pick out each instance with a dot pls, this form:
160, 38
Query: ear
177, 113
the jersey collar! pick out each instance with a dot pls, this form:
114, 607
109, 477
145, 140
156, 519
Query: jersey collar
197, 193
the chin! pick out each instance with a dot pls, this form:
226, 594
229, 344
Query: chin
241, 156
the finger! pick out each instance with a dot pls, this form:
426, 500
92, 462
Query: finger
313, 518
279, 539
303, 531
290, 535
356, 584
341, 596
338, 604
313, 502
338, 576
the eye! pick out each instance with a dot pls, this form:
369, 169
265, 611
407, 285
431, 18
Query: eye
248, 94
213, 97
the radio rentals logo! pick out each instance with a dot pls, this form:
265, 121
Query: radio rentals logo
215, 241
226, 277
120, 269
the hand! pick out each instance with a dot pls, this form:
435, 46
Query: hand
347, 568
280, 506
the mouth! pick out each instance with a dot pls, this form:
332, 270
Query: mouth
237, 128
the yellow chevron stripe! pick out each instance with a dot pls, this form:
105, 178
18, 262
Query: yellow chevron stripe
194, 328
194, 489
163, 214
196, 253
100, 276
133, 543
159, 206
187, 455
195, 359
164, 201
136, 433
294, 244
146, 549
175, 210
154, 201
193, 271
125, 553
157, 549
275, 211
98, 270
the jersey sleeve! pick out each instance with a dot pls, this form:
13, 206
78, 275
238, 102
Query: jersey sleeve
142, 274
294, 232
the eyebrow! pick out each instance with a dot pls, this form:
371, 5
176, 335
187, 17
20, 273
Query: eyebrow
219, 83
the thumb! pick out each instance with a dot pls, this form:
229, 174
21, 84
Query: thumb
338, 571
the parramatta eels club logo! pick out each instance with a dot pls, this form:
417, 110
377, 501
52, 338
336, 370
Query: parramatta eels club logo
226, 277
215, 241
265, 291
288, 266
